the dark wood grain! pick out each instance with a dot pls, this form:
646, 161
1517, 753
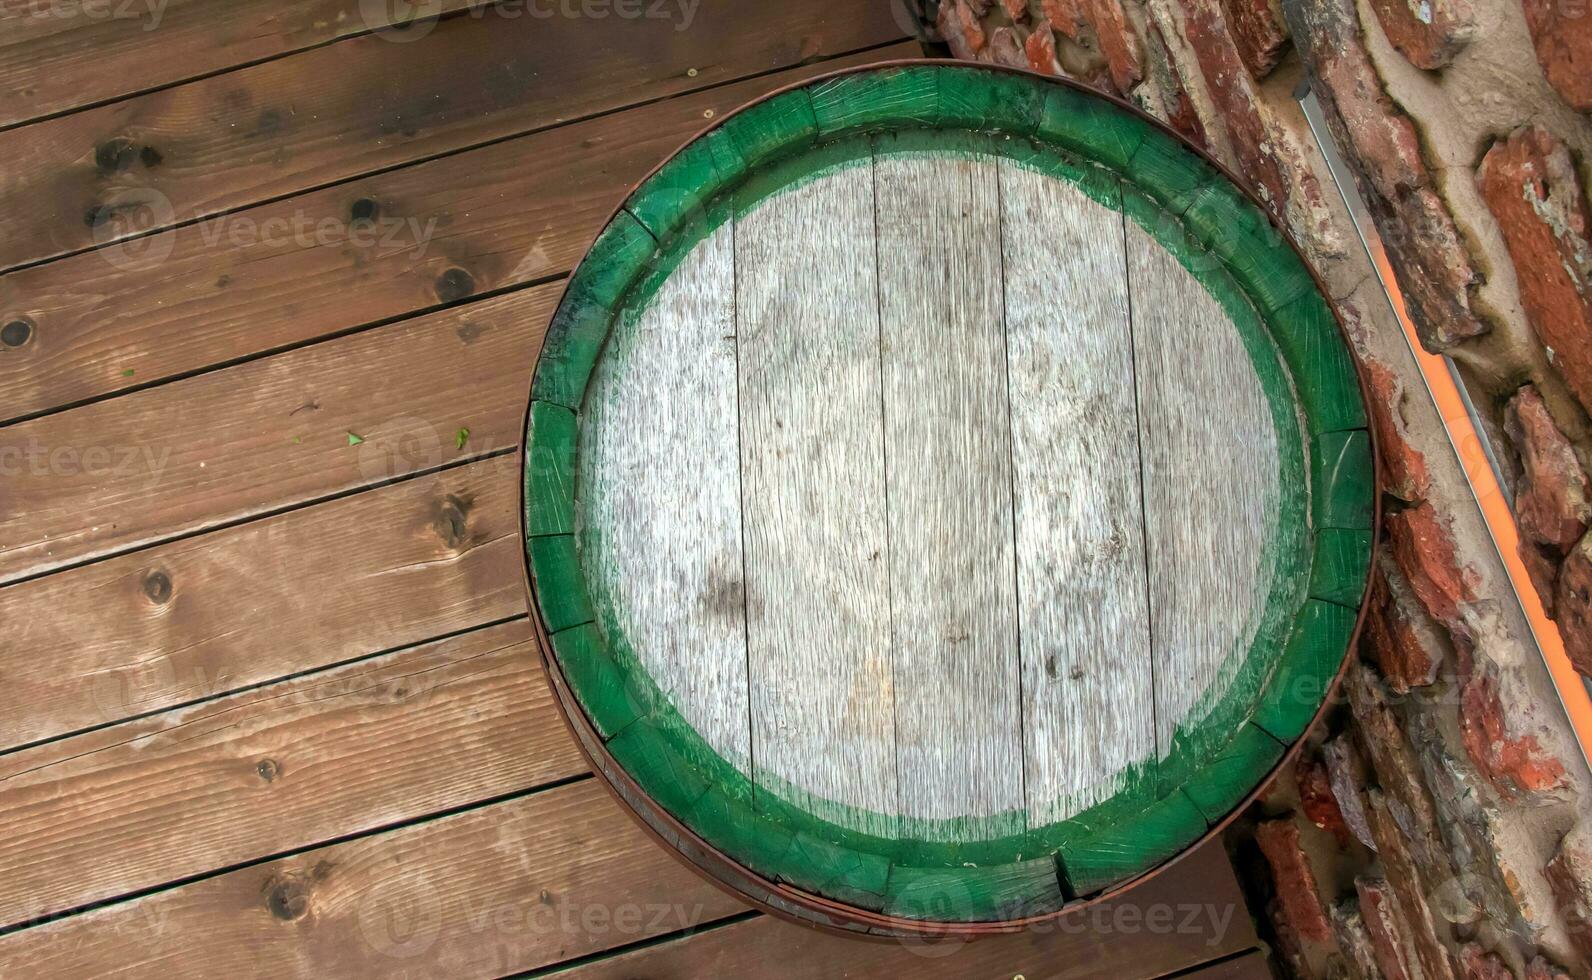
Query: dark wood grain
277, 128
514, 886
1252, 966
247, 604
60, 55
269, 433
277, 768
1165, 925
265, 278
237, 443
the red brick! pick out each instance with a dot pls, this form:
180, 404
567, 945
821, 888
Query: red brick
1429, 259
1490, 874
1392, 758
1268, 156
1296, 882
1385, 923
1476, 963
1409, 649
1259, 31
1004, 49
1427, 32
1403, 466
1424, 549
1346, 774
1531, 187
1354, 941
1562, 32
1167, 83
1541, 969
1320, 806
1570, 875
1065, 16
959, 26
1572, 604
1118, 42
1290, 950
1552, 505
1514, 763
1410, 888
1041, 50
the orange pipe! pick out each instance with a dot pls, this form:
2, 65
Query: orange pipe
1494, 509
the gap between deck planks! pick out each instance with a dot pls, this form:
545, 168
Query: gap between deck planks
1199, 911
289, 765
206, 615
52, 519
511, 886
58, 57
278, 128
229, 287
236, 546
560, 875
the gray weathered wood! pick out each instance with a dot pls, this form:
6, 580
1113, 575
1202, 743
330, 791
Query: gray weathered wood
975, 447
1210, 482
948, 460
1088, 694
818, 608
659, 486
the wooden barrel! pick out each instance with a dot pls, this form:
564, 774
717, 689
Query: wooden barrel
947, 497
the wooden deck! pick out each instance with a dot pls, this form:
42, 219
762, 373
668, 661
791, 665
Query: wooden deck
271, 283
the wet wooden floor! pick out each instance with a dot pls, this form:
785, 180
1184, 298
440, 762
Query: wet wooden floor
272, 277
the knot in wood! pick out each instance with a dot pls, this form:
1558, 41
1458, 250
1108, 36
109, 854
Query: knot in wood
114, 156
157, 586
454, 285
17, 332
288, 898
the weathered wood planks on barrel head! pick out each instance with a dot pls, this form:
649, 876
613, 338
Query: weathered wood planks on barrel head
966, 366
936, 234
1080, 555
868, 314
812, 469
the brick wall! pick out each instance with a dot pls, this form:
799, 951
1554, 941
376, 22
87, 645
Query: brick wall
1440, 824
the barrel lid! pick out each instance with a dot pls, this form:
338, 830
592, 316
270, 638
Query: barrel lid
830, 552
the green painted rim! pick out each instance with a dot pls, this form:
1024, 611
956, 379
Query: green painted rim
998, 869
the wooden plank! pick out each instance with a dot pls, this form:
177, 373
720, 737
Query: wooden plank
236, 443
278, 128
817, 565
665, 563
65, 54
1251, 966
959, 741
277, 768
1192, 914
241, 606
1208, 520
1088, 694
513, 886
258, 280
